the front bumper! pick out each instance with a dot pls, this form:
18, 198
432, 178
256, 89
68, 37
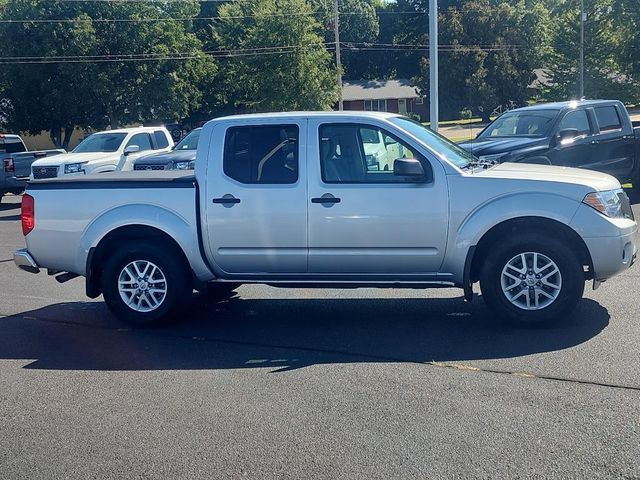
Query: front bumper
612, 255
24, 261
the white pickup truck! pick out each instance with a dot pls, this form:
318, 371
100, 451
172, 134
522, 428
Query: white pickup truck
108, 151
291, 199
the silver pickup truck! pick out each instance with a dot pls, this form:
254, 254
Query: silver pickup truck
291, 199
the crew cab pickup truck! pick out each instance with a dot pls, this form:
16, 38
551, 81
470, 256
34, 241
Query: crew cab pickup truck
289, 199
181, 157
593, 134
15, 163
108, 151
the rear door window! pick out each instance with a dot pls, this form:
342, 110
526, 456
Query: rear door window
608, 118
262, 154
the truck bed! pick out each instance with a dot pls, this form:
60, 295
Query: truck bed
73, 214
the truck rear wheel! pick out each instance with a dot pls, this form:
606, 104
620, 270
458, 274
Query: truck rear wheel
532, 279
144, 283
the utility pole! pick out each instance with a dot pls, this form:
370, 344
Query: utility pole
433, 64
583, 18
336, 30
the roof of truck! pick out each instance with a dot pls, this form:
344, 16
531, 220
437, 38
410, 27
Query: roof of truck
564, 105
133, 129
345, 113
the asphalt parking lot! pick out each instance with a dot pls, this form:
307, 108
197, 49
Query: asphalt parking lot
277, 383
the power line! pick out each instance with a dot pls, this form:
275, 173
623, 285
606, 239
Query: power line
227, 53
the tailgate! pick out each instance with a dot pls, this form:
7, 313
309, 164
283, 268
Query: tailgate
22, 161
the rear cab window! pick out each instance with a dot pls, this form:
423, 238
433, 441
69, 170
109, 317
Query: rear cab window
265, 154
608, 118
12, 145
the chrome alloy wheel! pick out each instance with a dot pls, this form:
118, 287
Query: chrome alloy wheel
531, 281
142, 286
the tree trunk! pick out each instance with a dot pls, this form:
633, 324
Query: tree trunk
55, 135
68, 131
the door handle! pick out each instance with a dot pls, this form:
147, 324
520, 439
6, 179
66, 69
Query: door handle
227, 200
325, 199
594, 142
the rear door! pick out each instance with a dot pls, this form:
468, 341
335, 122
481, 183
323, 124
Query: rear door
366, 222
615, 143
256, 198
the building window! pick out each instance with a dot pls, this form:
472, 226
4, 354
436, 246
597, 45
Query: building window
375, 105
419, 100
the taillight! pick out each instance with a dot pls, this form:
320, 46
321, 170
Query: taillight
28, 214
9, 166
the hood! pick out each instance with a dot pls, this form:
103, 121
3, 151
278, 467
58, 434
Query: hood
165, 158
490, 146
67, 158
591, 180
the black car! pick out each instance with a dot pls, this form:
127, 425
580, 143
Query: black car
181, 157
593, 134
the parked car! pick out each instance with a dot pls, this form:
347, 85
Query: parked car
112, 150
181, 157
593, 134
16, 163
289, 199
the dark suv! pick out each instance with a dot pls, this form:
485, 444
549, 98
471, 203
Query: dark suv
593, 134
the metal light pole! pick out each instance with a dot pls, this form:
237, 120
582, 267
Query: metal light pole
583, 18
336, 31
433, 64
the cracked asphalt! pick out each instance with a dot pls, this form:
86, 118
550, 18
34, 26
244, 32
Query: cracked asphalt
279, 383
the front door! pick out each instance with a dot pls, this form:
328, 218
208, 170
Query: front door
364, 221
256, 199
402, 106
579, 151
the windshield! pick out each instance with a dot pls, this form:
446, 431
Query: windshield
445, 147
101, 142
532, 123
190, 142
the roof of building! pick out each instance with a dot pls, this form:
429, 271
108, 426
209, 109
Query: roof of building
378, 89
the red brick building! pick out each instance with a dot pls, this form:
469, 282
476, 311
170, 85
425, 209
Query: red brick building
397, 96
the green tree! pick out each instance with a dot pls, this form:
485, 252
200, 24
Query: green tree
488, 55
276, 61
609, 50
95, 69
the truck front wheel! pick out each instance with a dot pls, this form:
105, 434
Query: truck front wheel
532, 279
144, 283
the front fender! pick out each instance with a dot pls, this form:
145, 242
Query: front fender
168, 222
468, 232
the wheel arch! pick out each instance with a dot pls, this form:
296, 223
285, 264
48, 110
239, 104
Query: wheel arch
99, 253
523, 224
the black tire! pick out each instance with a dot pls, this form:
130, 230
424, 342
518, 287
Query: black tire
170, 263
571, 271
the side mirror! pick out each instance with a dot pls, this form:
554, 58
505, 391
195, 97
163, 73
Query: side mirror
568, 134
131, 149
410, 168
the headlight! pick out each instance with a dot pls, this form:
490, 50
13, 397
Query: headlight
182, 165
609, 203
492, 158
73, 167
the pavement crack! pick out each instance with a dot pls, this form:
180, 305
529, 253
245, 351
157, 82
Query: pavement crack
461, 367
